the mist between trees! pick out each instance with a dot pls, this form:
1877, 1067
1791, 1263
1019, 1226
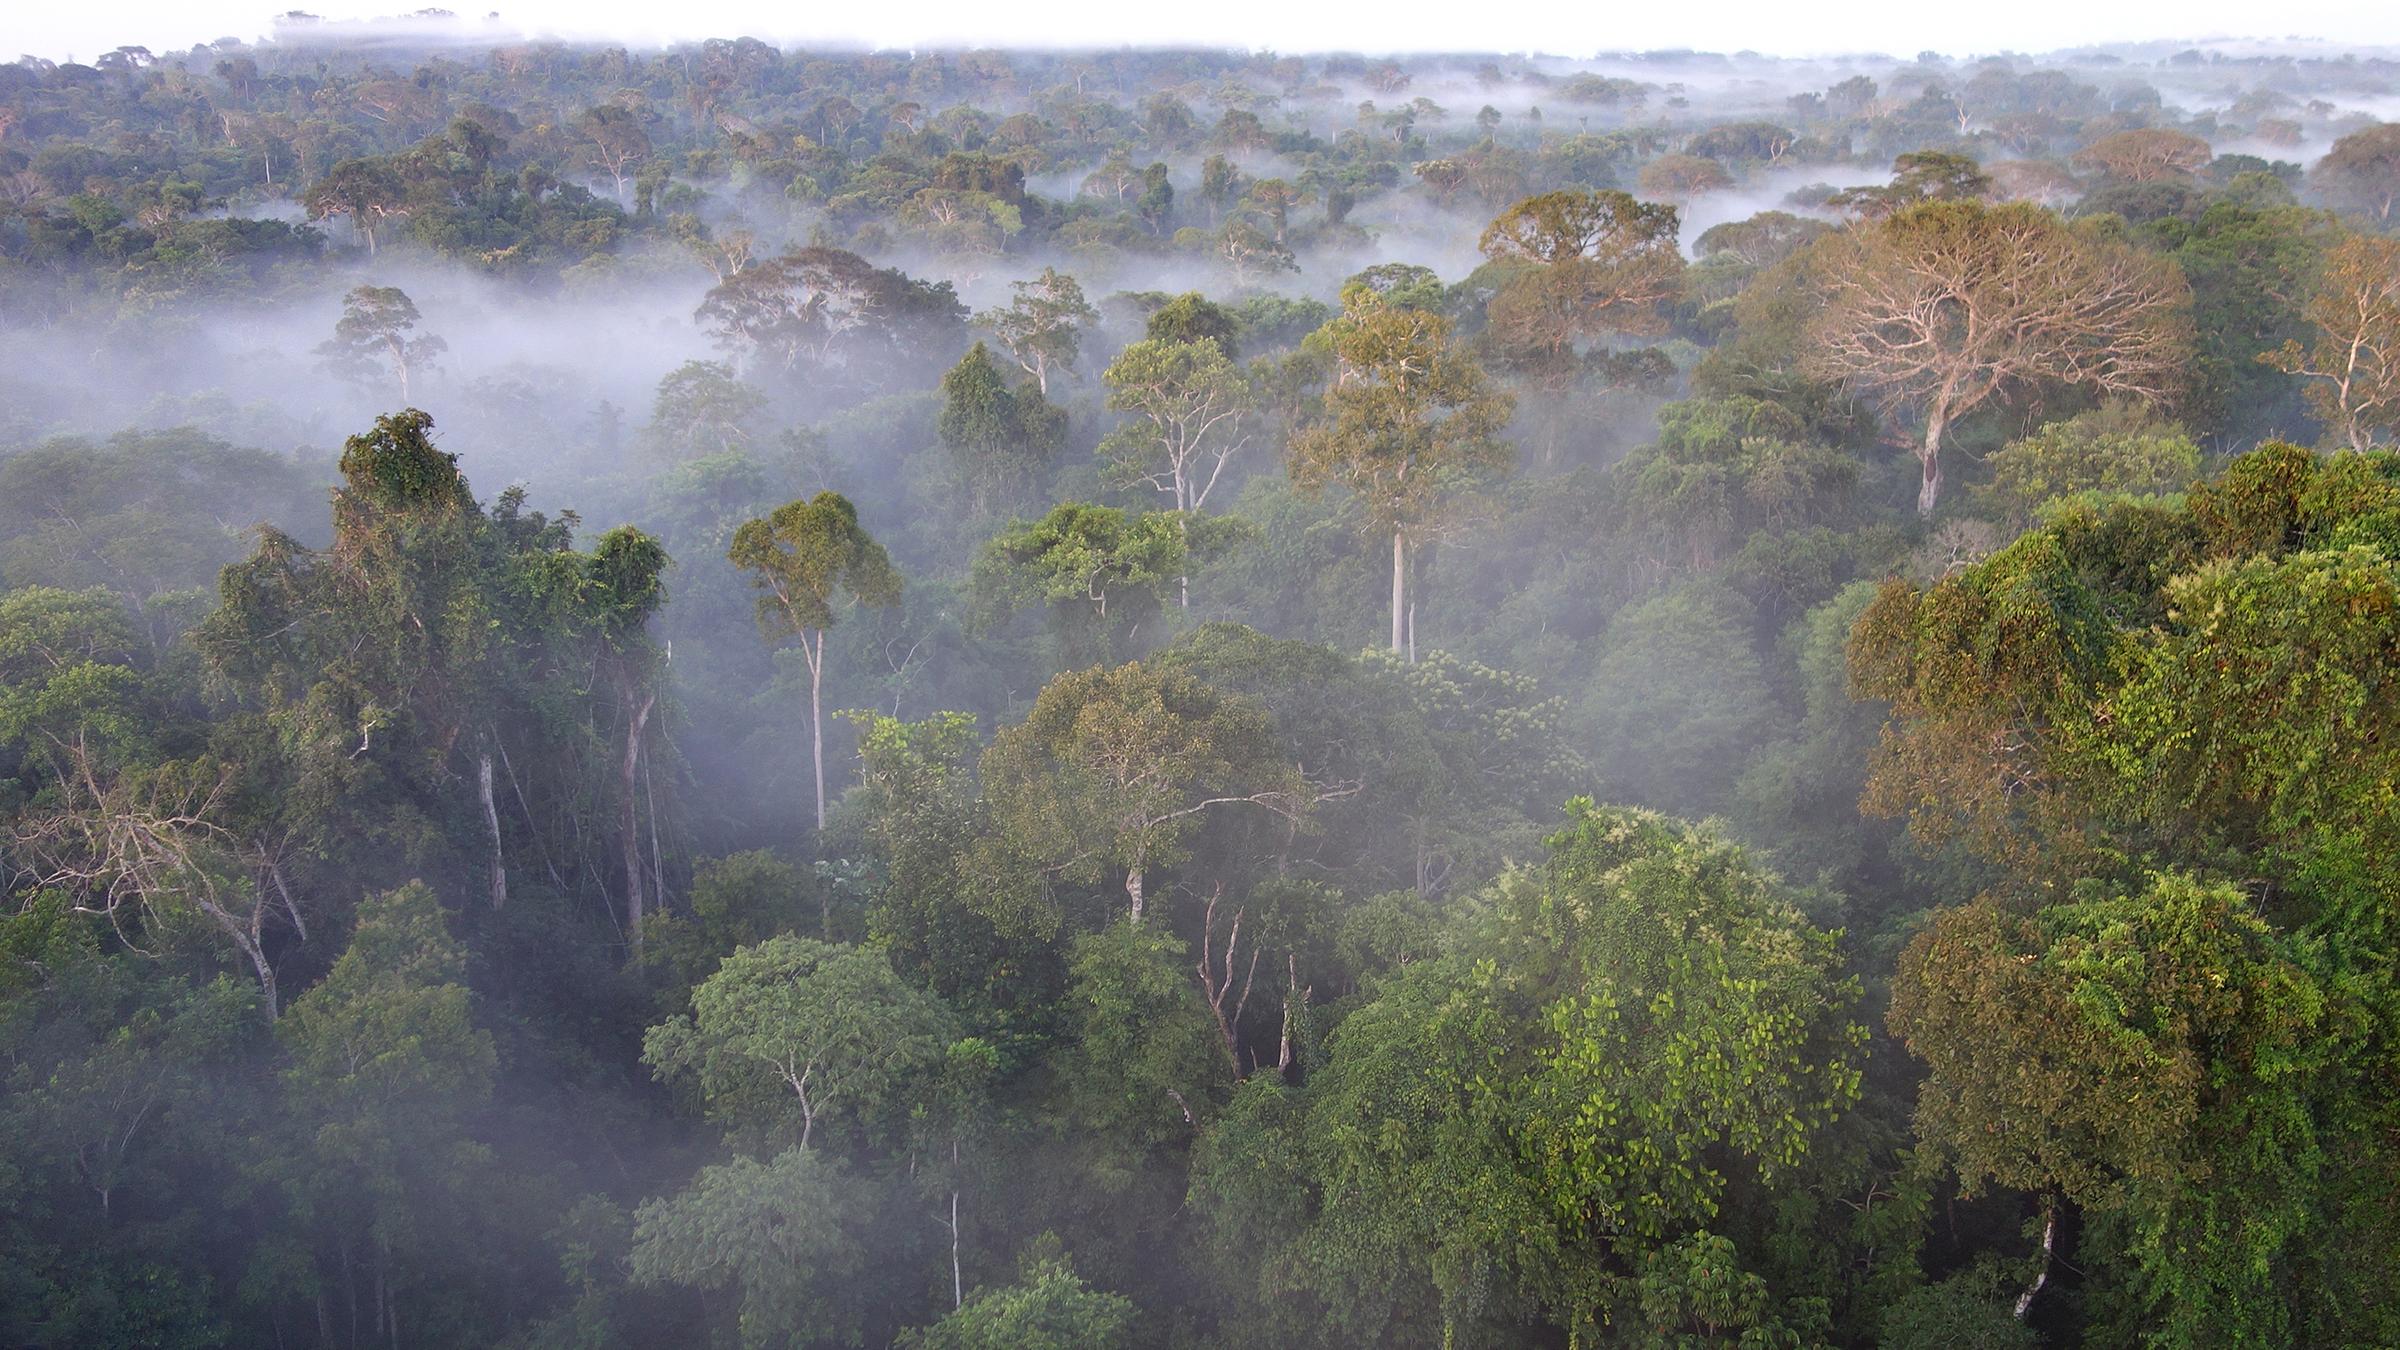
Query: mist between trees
732, 696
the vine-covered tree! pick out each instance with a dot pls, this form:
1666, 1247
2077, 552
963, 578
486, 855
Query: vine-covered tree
999, 438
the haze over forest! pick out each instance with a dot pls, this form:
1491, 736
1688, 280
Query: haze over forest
721, 695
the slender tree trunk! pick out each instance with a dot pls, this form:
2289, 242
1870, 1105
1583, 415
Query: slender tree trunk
2049, 1243
631, 822
1399, 589
658, 851
1133, 892
526, 807
491, 819
266, 973
958, 1284
1929, 456
350, 1288
1183, 534
1294, 998
816, 716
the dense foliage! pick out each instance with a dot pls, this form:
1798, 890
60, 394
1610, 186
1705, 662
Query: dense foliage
1230, 699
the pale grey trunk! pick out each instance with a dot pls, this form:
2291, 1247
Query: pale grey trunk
1133, 892
1183, 533
491, 820
1399, 590
1294, 998
2049, 1243
631, 823
1929, 456
266, 973
816, 717
958, 1283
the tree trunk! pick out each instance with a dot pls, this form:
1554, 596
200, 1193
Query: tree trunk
2049, 1241
526, 807
1215, 969
491, 819
958, 1284
816, 716
1183, 534
1929, 456
350, 1288
1294, 997
631, 822
1133, 892
266, 975
1399, 590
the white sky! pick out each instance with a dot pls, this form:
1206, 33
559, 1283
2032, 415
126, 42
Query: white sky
1574, 28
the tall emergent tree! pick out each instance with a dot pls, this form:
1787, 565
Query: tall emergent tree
1411, 423
1939, 308
1041, 326
618, 145
1188, 403
620, 588
831, 312
1577, 266
809, 559
378, 328
367, 190
2353, 367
